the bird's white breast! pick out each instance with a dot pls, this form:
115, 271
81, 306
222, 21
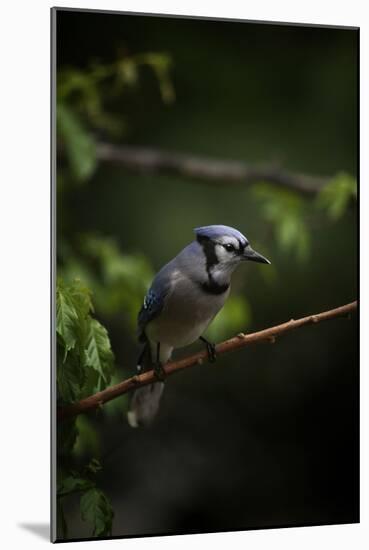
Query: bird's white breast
187, 313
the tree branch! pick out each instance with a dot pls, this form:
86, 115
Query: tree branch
151, 160
239, 341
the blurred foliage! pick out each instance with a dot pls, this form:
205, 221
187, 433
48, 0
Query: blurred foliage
84, 366
285, 211
87, 440
78, 143
118, 281
289, 213
335, 197
94, 505
234, 316
83, 97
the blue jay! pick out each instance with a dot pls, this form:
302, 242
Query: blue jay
185, 296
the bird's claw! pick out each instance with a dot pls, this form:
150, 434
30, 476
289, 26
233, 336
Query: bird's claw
210, 348
212, 354
159, 372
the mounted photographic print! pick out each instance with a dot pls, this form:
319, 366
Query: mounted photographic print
205, 372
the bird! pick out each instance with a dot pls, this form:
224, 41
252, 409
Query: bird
184, 297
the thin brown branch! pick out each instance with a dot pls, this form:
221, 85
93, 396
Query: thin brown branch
144, 159
239, 341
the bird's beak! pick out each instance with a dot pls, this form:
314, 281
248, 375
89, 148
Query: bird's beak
252, 256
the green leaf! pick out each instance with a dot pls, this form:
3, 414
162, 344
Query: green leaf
98, 354
96, 509
74, 82
85, 361
79, 145
81, 296
286, 211
70, 379
287, 231
66, 318
93, 466
160, 63
292, 234
73, 484
92, 382
127, 71
337, 194
304, 243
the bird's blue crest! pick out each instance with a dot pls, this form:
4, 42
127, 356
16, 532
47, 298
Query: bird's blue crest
216, 231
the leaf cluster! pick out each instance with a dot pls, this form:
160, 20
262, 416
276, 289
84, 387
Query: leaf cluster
84, 356
118, 281
288, 213
85, 365
95, 507
85, 100
336, 196
284, 210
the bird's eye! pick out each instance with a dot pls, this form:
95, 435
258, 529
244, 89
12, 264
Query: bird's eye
229, 247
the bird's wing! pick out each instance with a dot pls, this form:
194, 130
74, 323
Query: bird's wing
154, 301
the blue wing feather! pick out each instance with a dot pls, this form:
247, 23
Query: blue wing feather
151, 307
154, 301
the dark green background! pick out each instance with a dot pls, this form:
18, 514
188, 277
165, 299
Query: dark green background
269, 435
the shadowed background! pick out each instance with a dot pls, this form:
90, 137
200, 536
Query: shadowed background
268, 436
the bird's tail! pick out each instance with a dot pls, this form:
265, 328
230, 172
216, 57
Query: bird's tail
144, 402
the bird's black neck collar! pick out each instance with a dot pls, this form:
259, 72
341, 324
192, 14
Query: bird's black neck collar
211, 286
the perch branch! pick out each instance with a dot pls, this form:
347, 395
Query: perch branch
143, 159
239, 341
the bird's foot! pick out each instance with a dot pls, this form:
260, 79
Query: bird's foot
212, 354
210, 348
159, 372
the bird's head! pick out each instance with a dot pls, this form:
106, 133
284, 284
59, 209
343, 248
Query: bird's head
225, 248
